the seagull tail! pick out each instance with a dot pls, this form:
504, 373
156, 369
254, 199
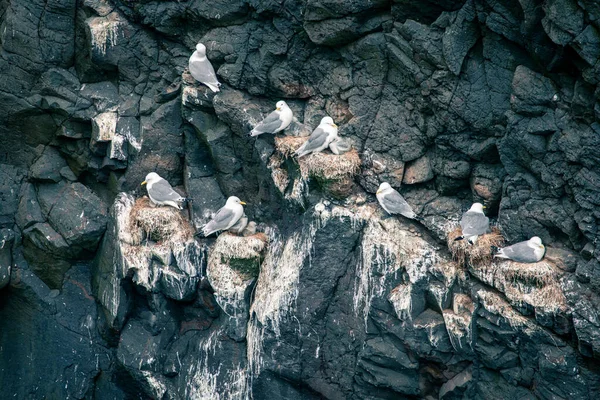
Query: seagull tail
300, 152
254, 132
213, 86
498, 251
209, 229
459, 238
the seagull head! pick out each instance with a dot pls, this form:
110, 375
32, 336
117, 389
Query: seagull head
477, 207
536, 242
232, 200
328, 121
201, 49
384, 187
151, 178
280, 105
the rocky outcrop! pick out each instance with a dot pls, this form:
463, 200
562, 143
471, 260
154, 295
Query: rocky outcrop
451, 102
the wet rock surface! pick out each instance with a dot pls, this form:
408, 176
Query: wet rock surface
451, 102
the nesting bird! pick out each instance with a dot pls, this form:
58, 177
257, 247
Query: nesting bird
320, 138
393, 202
226, 217
161, 192
276, 121
202, 70
339, 146
239, 226
474, 223
528, 251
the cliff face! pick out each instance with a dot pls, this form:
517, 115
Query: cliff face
450, 101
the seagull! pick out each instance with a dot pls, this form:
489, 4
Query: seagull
276, 121
161, 192
226, 217
529, 251
339, 146
202, 70
320, 138
393, 202
474, 223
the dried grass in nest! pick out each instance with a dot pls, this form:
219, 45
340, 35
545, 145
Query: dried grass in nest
287, 145
161, 223
538, 274
479, 253
330, 166
230, 246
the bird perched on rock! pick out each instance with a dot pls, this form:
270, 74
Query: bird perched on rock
276, 121
393, 202
161, 192
320, 138
474, 223
202, 70
528, 251
226, 217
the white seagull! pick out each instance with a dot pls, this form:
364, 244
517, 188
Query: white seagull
226, 217
161, 192
393, 202
276, 121
474, 223
320, 138
529, 251
202, 70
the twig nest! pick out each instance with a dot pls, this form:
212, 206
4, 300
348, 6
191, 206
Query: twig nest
242, 253
530, 286
334, 173
481, 252
158, 224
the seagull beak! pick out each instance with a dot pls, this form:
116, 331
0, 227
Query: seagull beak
242, 203
278, 108
378, 190
334, 125
143, 183
483, 207
541, 246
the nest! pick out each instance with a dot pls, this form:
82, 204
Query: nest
287, 145
479, 253
243, 254
159, 224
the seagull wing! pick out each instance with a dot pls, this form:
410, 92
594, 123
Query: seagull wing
474, 223
270, 124
316, 140
162, 191
203, 71
395, 204
520, 252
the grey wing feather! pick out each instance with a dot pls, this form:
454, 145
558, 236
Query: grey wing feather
520, 252
473, 223
203, 71
223, 218
162, 191
316, 140
270, 124
397, 205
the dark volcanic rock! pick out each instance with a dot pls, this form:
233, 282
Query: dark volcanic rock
451, 102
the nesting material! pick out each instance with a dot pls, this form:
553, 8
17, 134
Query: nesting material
159, 224
242, 253
287, 145
481, 252
333, 172
536, 285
